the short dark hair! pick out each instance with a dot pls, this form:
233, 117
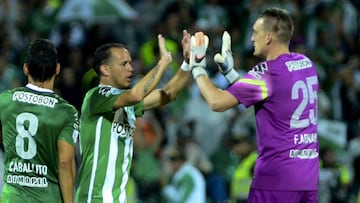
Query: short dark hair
279, 21
41, 59
102, 54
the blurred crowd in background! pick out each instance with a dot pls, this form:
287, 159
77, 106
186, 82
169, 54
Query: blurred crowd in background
217, 144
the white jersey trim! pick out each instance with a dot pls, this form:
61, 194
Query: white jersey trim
125, 178
39, 89
110, 170
96, 157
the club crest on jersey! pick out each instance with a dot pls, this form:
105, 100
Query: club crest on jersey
259, 70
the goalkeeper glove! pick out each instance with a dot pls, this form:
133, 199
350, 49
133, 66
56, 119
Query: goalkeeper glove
198, 45
225, 60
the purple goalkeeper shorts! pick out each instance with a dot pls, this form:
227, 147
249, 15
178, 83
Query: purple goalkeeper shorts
272, 196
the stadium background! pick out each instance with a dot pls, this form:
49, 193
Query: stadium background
326, 30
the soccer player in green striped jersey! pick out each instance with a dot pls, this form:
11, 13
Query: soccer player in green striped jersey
108, 117
39, 130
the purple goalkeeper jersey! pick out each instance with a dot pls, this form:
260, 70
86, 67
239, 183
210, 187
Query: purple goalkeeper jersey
284, 94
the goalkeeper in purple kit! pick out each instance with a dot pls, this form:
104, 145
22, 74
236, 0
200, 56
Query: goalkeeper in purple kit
283, 90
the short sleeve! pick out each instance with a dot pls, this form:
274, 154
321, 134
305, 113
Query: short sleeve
139, 109
102, 99
71, 131
254, 87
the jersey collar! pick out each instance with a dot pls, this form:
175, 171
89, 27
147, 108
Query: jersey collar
38, 89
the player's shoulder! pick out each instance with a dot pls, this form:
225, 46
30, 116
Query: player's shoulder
9, 92
63, 103
261, 67
104, 90
259, 70
291, 61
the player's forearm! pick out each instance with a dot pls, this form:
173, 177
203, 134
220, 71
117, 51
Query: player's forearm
211, 93
147, 84
161, 97
152, 79
176, 84
67, 180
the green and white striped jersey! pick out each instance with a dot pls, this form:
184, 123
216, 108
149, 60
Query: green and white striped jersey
33, 119
106, 143
187, 186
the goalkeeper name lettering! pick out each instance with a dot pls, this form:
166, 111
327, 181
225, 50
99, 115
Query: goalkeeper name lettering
306, 138
31, 98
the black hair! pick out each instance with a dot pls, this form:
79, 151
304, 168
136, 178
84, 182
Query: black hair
102, 54
41, 59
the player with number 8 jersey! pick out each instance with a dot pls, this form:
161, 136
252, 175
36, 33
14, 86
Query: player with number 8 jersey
39, 131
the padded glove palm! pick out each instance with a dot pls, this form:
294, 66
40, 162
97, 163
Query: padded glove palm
198, 46
225, 60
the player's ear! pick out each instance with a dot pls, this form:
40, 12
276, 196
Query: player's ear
105, 70
25, 70
57, 69
268, 38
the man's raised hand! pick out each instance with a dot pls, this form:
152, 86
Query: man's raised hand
164, 53
185, 42
225, 60
198, 46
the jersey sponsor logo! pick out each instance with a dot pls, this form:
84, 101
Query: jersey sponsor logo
32, 98
27, 181
298, 64
259, 70
122, 130
303, 153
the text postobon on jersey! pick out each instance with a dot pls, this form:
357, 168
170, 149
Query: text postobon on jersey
24, 179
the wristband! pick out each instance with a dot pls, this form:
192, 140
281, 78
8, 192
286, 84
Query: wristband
198, 71
185, 66
232, 76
